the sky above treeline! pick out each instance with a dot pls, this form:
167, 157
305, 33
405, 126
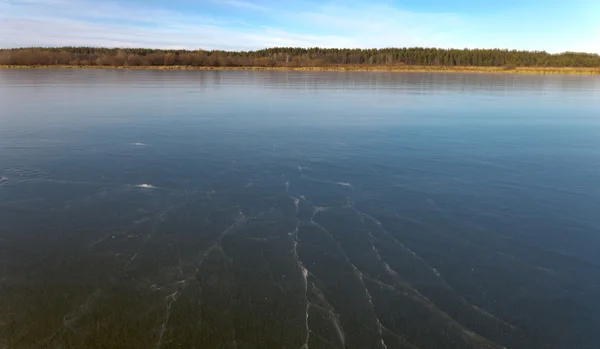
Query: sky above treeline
550, 25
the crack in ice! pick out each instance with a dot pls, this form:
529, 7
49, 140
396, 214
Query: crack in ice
71, 318
333, 316
359, 274
437, 275
170, 299
294, 235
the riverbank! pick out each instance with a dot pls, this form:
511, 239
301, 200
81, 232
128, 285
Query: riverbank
371, 68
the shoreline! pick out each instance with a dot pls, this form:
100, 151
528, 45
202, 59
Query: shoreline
346, 68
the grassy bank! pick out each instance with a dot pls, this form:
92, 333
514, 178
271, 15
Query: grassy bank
372, 68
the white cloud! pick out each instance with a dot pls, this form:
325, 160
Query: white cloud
383, 26
60, 22
62, 32
83, 22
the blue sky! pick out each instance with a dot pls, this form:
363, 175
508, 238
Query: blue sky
550, 25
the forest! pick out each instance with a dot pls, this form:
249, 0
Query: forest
293, 57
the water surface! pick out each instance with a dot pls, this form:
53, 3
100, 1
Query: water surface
239, 209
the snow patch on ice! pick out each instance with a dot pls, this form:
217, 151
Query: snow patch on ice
146, 186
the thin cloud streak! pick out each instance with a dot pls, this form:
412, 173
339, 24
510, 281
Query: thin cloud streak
242, 4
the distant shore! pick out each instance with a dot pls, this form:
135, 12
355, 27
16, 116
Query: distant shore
357, 68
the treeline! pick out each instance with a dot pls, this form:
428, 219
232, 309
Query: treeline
294, 57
